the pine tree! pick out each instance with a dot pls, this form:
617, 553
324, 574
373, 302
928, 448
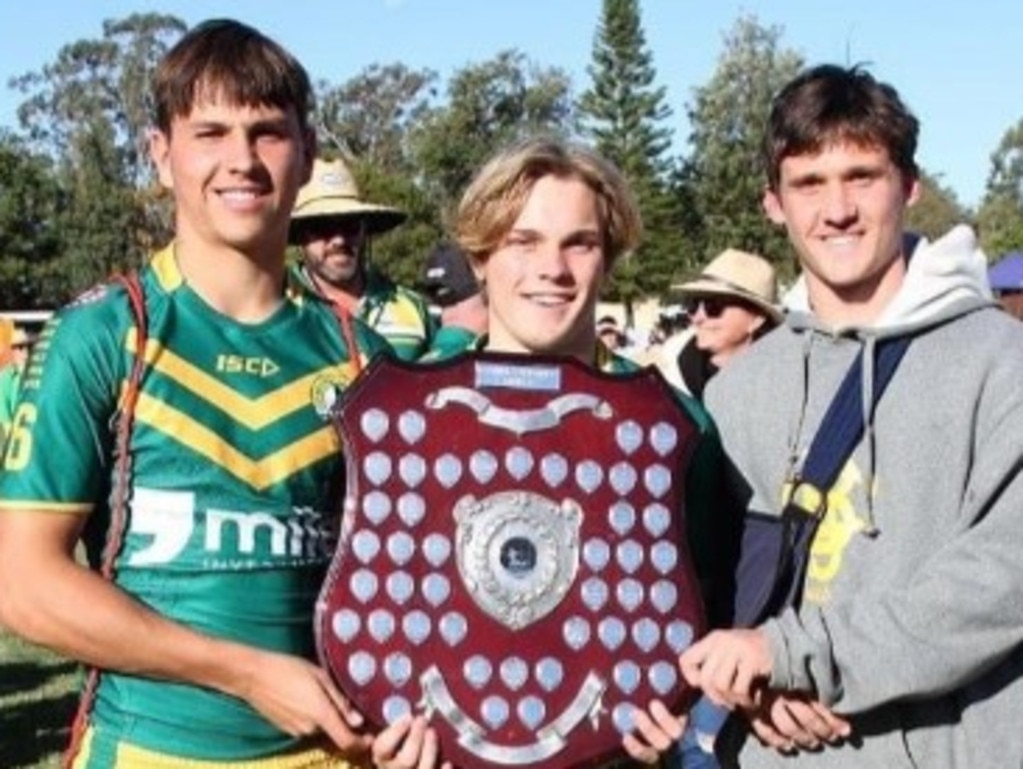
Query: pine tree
624, 113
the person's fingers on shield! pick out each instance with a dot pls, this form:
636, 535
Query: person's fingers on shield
655, 731
407, 743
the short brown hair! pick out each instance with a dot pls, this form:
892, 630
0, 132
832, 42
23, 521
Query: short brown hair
228, 60
829, 103
498, 193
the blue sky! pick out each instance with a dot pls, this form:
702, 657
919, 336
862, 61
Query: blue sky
958, 64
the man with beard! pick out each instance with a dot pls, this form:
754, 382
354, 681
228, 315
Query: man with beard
332, 225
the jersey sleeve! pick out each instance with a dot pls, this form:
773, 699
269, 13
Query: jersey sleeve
60, 448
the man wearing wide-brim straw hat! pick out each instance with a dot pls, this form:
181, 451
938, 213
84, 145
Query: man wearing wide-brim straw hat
333, 225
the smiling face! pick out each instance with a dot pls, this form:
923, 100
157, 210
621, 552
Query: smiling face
543, 280
332, 250
843, 208
234, 171
722, 326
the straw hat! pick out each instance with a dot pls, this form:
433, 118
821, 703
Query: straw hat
332, 193
745, 276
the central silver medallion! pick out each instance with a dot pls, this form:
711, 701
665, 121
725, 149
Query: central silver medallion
518, 553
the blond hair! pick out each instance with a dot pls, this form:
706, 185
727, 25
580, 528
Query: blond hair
496, 196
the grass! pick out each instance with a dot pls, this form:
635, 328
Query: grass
38, 696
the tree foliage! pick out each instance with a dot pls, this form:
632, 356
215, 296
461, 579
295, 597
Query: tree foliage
936, 211
489, 105
728, 118
78, 197
624, 112
30, 245
89, 111
1000, 217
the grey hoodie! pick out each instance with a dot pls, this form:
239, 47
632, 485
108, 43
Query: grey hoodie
912, 621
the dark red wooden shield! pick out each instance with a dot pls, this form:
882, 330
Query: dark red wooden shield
512, 559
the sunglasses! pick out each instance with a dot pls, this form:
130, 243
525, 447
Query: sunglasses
713, 306
21, 346
324, 228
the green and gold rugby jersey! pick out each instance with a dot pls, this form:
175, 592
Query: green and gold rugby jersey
234, 483
399, 314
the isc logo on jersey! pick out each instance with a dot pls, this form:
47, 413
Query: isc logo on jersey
164, 526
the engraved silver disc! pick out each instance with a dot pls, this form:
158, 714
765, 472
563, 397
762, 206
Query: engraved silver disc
664, 556
611, 632
663, 676
417, 626
494, 711
514, 672
477, 670
622, 478
374, 424
365, 545
412, 470
679, 635
395, 707
627, 676
346, 624
399, 586
656, 519
657, 480
411, 426
482, 466
663, 437
448, 470
362, 666
377, 467
531, 711
376, 506
437, 549
594, 593
622, 517
629, 593
453, 628
364, 585
589, 475
646, 633
518, 462
663, 595
623, 717
411, 509
629, 436
380, 625
436, 589
553, 469
400, 547
629, 555
549, 673
596, 554
576, 632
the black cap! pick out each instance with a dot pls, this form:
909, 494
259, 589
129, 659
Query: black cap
447, 277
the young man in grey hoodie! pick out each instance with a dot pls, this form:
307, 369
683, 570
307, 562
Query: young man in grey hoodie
905, 650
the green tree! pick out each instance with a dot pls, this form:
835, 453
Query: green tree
371, 115
489, 105
727, 119
30, 244
88, 111
1000, 216
624, 113
936, 211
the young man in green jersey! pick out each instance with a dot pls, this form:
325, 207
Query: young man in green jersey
542, 225
186, 443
